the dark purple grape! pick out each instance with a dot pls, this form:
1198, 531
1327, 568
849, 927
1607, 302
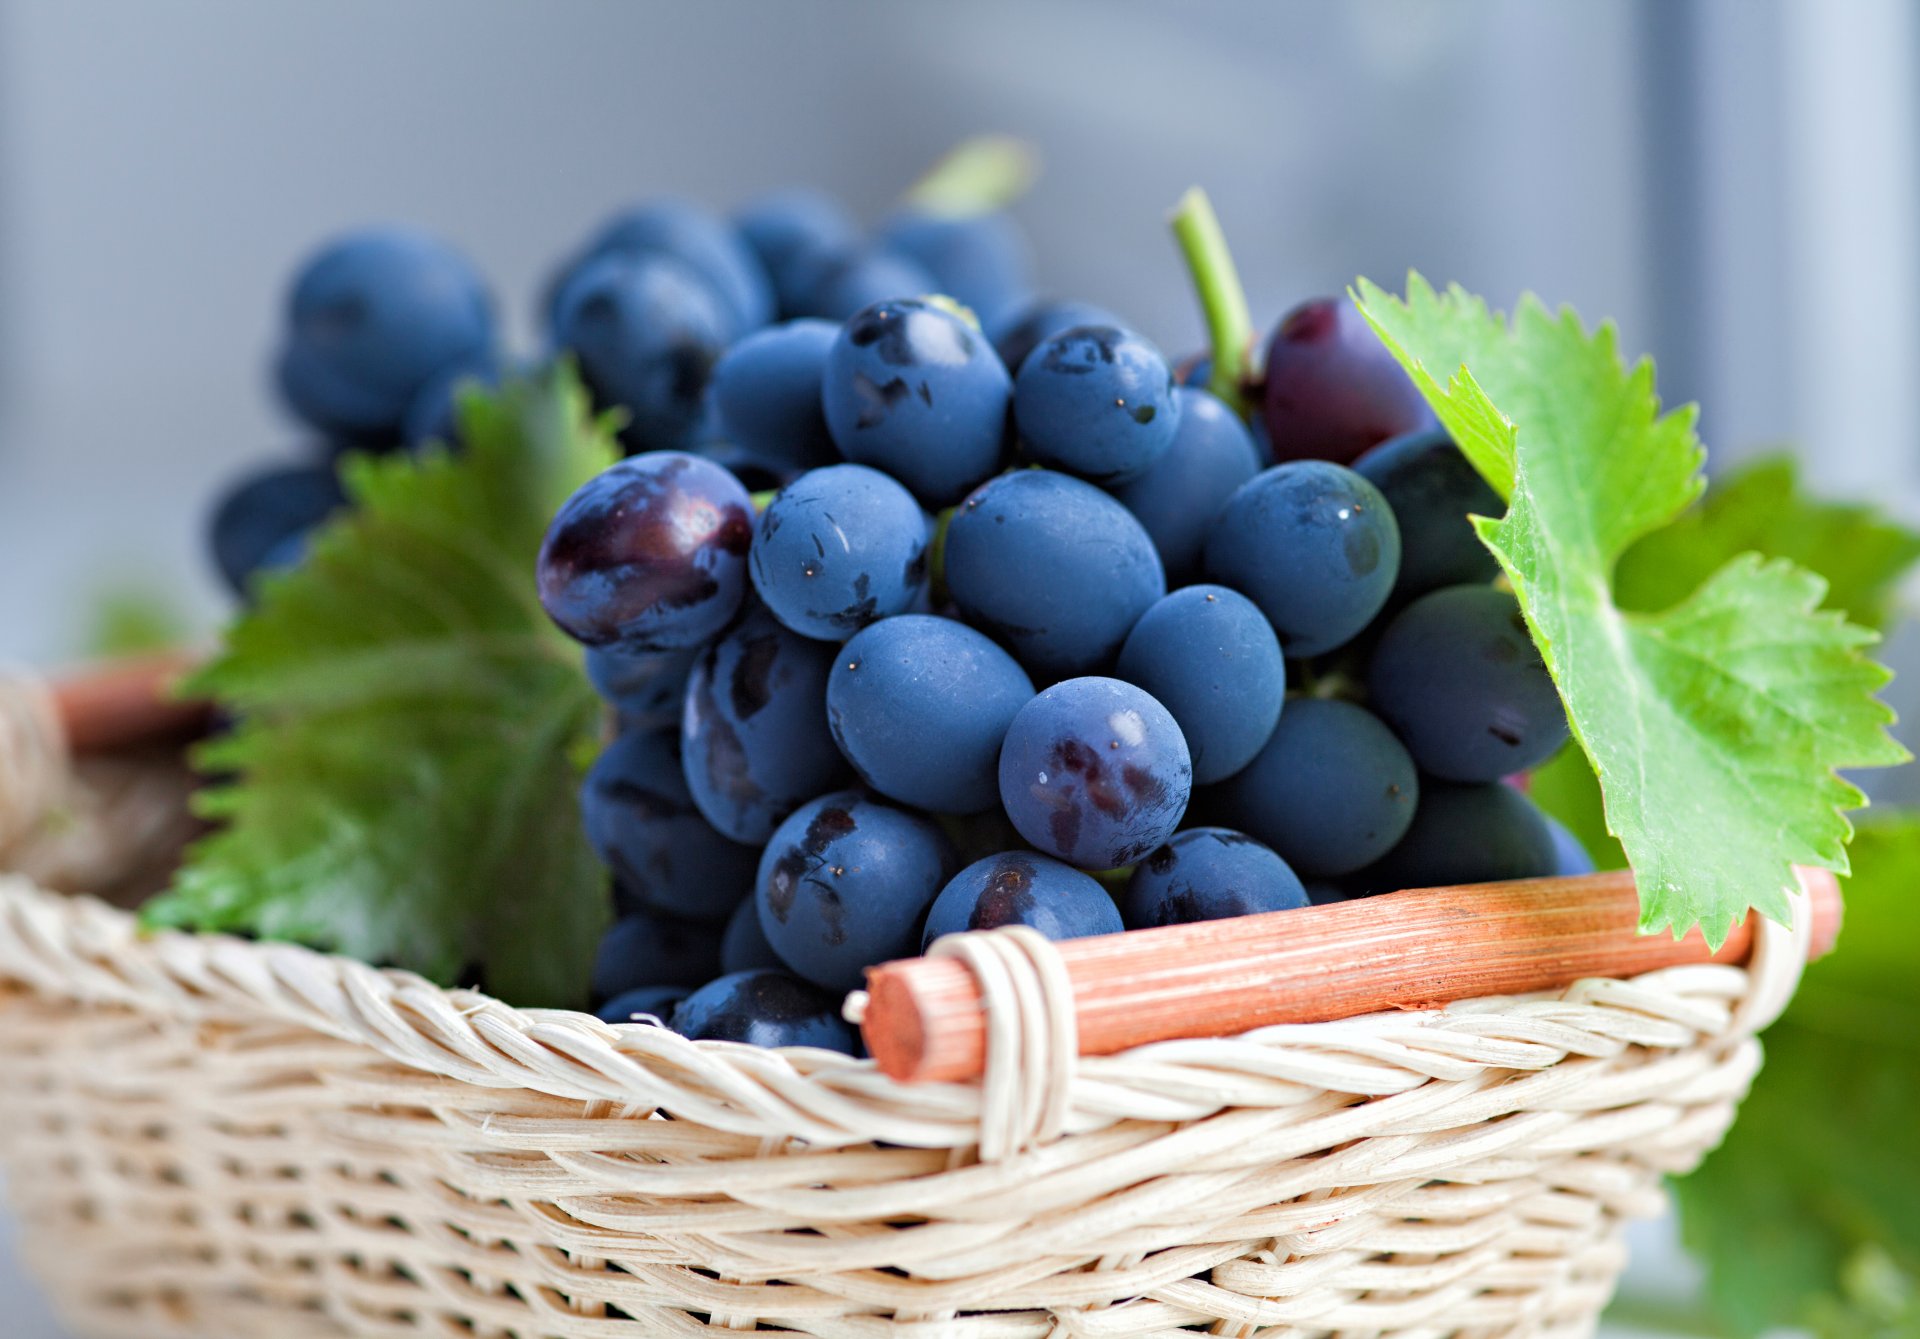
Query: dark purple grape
837, 549
1480, 833
1098, 402
646, 688
835, 285
1569, 855
1458, 677
1095, 772
643, 823
647, 949
1019, 332
1433, 490
1022, 888
261, 523
765, 1008
705, 243
648, 1004
845, 883
650, 555
754, 735
1332, 388
1180, 495
1209, 874
785, 227
745, 946
766, 393
1210, 658
981, 260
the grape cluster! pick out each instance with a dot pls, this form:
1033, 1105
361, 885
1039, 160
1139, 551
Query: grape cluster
1026, 628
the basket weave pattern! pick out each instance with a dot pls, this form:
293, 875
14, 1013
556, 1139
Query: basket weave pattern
211, 1138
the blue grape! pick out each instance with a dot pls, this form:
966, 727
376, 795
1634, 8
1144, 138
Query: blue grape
982, 260
1332, 388
912, 389
644, 949
1095, 772
646, 331
648, 1003
1182, 492
1096, 401
756, 473
919, 706
1195, 371
1432, 490
1022, 888
262, 521
1569, 854
705, 244
650, 554
433, 413
844, 883
1209, 874
838, 285
647, 688
372, 318
744, 946
641, 820
754, 737
1314, 545
1457, 676
1053, 567
765, 1007
784, 228
1324, 892
1333, 790
1210, 658
766, 392
1478, 833
838, 548
1017, 333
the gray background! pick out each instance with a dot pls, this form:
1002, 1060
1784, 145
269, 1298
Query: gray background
1732, 181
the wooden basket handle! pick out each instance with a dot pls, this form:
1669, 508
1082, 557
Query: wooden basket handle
1409, 950
126, 704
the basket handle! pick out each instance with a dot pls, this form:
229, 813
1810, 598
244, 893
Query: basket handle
125, 704
928, 1019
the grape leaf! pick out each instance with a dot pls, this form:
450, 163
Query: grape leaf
1760, 508
1715, 726
401, 781
1821, 1173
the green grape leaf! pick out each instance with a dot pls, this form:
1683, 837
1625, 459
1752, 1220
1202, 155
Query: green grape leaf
1810, 1211
401, 781
1761, 508
1715, 726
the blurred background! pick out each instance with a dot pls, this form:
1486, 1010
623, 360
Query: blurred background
1733, 181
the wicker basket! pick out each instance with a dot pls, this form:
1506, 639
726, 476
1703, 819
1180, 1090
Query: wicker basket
214, 1139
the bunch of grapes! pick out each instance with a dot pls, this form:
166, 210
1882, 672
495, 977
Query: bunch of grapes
1025, 628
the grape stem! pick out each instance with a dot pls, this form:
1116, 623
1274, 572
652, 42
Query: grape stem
1222, 300
976, 176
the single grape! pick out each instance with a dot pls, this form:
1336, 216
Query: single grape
644, 949
646, 331
919, 706
1314, 545
1210, 658
1569, 855
766, 393
261, 522
433, 414
1332, 388
1053, 567
1432, 490
649, 1004
844, 884
1182, 492
1095, 772
645, 687
1457, 676
1209, 874
982, 260
1018, 332
703, 242
1324, 893
784, 227
642, 822
756, 473
765, 1007
914, 390
744, 946
372, 318
1022, 888
754, 737
839, 284
1479, 833
1332, 791
838, 548
650, 554
1096, 401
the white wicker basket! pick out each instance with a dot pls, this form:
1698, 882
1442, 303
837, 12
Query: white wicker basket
215, 1139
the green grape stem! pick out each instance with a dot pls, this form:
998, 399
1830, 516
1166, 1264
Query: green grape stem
1222, 300
977, 176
